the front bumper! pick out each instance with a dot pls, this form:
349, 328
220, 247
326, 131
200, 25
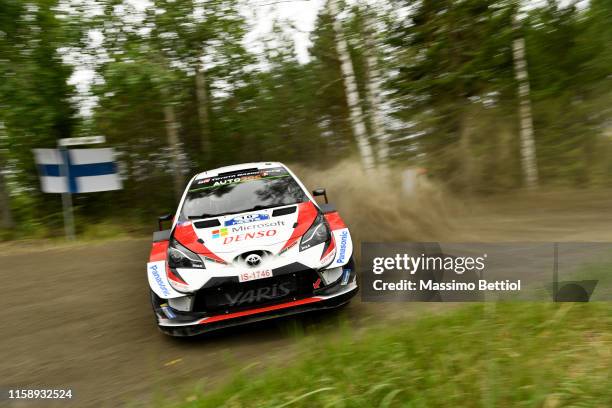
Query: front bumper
190, 324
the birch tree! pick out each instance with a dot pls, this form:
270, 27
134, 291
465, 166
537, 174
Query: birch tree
528, 150
350, 85
374, 90
172, 127
6, 220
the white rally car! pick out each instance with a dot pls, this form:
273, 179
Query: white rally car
248, 243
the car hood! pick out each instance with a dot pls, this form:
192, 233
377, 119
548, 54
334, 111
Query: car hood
224, 238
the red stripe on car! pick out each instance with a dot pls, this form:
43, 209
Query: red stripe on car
260, 310
187, 237
307, 212
158, 251
334, 221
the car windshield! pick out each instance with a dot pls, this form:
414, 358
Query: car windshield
237, 192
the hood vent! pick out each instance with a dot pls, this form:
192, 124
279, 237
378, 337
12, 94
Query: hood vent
283, 211
207, 223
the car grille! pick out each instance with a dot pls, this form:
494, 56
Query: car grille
231, 297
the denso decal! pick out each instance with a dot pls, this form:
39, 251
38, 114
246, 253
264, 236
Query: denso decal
154, 268
249, 235
245, 219
343, 243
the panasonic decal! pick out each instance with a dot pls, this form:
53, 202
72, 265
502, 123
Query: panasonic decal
342, 253
154, 269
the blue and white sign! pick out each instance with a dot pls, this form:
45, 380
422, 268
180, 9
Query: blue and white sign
77, 170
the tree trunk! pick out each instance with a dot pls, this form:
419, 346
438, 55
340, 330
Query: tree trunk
352, 95
6, 220
374, 94
528, 151
173, 143
203, 117
5, 204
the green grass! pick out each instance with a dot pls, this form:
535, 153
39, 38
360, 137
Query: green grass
493, 355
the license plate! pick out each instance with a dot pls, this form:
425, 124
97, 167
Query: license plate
254, 275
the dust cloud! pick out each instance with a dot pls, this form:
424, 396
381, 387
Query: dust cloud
376, 205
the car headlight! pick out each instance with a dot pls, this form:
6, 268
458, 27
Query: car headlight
317, 234
181, 257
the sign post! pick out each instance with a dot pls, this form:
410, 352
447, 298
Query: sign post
67, 196
65, 172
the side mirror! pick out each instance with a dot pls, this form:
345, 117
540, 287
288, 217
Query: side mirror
320, 192
162, 218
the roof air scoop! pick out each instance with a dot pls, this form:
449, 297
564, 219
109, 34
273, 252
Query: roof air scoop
207, 223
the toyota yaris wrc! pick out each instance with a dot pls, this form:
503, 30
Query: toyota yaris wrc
248, 243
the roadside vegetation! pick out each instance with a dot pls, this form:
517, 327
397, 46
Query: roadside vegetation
492, 355
179, 86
